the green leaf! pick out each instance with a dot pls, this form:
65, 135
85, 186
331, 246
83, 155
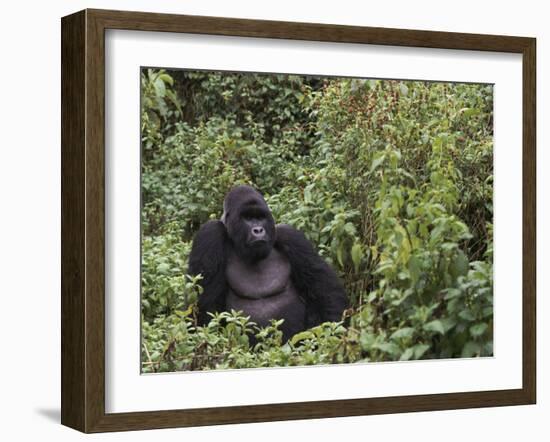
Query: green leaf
340, 255
388, 347
459, 265
366, 340
437, 144
435, 326
163, 268
356, 256
415, 268
436, 232
405, 332
470, 112
378, 159
419, 350
407, 354
167, 79
467, 315
403, 88
160, 88
471, 349
301, 336
452, 293
307, 195
478, 329
349, 228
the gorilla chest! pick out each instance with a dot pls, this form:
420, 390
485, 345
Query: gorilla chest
264, 291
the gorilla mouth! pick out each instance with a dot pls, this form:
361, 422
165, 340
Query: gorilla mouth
258, 249
256, 242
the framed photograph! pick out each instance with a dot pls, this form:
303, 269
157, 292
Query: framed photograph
266, 220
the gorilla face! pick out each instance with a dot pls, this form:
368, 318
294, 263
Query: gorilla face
249, 223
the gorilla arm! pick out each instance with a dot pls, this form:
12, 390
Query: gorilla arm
208, 257
312, 276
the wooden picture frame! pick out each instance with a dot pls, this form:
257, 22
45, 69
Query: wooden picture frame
83, 220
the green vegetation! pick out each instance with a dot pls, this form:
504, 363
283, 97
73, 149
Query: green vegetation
391, 180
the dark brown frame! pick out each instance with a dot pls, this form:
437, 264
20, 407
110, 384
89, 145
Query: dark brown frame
83, 216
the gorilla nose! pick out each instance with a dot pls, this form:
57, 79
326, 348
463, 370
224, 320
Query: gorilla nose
258, 232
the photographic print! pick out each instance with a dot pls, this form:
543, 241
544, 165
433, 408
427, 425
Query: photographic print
292, 220
248, 204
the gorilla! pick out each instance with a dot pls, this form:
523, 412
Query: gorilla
267, 271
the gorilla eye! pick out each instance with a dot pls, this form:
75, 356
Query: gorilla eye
250, 215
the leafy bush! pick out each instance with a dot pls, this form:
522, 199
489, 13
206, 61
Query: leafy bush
391, 180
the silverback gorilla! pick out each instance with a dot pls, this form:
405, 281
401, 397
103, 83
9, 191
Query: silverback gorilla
265, 270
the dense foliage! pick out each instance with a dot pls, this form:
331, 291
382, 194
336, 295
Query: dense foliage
391, 180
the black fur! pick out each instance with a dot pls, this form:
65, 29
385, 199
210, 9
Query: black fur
244, 208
